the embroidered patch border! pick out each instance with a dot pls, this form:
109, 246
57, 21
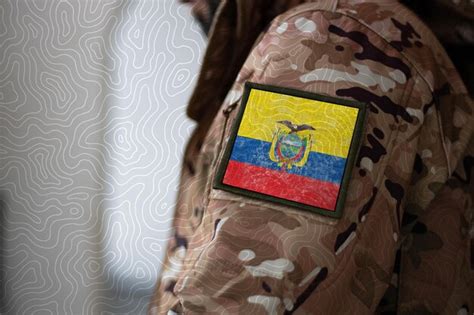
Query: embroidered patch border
271, 157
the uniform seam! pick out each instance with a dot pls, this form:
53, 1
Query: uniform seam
445, 149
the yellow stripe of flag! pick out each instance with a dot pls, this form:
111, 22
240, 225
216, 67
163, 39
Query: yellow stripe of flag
334, 123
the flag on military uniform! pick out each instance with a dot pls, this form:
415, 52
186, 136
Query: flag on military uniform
291, 148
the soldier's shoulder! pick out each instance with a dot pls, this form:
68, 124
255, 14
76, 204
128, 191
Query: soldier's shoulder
399, 29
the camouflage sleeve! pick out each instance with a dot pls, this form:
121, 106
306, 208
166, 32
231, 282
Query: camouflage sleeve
435, 267
250, 256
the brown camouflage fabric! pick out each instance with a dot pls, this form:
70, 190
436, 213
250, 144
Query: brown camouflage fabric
404, 242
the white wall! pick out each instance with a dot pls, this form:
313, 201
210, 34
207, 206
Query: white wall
92, 129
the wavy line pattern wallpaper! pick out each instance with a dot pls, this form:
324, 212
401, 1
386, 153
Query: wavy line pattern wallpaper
92, 131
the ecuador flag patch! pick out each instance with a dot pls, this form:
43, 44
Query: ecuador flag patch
292, 147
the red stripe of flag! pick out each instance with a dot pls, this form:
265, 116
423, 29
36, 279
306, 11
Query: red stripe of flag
282, 185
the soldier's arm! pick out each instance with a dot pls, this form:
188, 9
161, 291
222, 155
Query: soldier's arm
254, 255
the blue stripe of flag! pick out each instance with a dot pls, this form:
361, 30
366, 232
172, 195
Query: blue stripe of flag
320, 166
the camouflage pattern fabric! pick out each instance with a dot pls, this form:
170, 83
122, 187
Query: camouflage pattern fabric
403, 242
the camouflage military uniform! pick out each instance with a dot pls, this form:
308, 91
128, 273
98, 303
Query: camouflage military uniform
403, 241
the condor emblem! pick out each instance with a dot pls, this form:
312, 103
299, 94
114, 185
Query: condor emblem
288, 148
292, 147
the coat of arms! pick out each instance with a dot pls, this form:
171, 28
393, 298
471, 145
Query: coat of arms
289, 146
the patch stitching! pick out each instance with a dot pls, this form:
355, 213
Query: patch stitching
354, 146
